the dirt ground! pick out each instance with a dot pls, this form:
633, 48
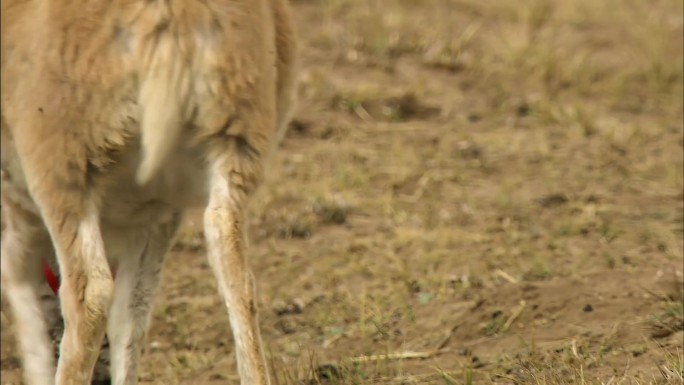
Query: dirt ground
472, 192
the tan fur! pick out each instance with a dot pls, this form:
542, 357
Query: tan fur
164, 97
117, 116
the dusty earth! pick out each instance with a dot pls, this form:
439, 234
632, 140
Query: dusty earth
471, 193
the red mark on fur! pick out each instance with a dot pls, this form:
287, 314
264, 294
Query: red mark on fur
51, 278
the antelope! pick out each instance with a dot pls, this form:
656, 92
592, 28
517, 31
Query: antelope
117, 117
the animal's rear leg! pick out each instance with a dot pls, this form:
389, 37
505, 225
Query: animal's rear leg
25, 243
72, 219
55, 324
286, 64
86, 290
136, 282
233, 177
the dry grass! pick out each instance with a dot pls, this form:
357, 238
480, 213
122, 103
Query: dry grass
449, 155
536, 138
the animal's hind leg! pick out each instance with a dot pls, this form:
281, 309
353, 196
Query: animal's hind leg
233, 176
85, 293
25, 243
69, 211
136, 282
286, 65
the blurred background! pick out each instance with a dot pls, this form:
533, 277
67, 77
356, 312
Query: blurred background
472, 192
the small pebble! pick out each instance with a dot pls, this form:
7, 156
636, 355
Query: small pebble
279, 306
298, 305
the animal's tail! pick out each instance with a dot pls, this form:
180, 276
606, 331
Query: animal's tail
164, 95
